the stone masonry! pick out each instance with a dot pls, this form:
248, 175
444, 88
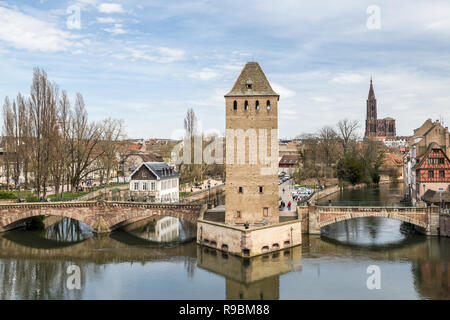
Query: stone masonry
251, 106
102, 216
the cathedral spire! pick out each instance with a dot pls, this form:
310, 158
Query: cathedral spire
371, 92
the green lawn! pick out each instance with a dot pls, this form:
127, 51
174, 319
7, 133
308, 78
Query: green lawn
67, 196
184, 194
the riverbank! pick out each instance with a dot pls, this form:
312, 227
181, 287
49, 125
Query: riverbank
321, 194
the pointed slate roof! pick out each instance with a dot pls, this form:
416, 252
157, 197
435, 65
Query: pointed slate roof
371, 92
252, 82
161, 170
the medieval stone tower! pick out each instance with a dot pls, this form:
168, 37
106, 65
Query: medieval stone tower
371, 116
377, 128
252, 128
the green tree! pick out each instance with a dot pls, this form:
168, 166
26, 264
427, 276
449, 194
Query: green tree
350, 169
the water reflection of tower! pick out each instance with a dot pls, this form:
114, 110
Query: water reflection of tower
250, 279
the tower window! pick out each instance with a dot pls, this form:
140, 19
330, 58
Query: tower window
265, 212
241, 190
246, 105
391, 127
257, 105
235, 105
238, 214
261, 189
268, 104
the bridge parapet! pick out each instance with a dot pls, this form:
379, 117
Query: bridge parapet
321, 216
102, 216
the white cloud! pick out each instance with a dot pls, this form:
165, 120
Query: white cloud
22, 31
106, 20
284, 92
110, 8
346, 78
205, 74
441, 25
159, 54
117, 29
321, 99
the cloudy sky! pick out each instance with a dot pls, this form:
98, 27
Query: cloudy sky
147, 62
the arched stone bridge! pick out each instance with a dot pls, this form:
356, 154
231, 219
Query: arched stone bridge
102, 216
316, 217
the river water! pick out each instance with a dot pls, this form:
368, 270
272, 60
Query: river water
159, 260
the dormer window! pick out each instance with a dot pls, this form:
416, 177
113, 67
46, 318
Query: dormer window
268, 105
246, 105
257, 105
235, 105
249, 86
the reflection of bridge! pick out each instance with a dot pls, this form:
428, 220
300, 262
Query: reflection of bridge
102, 216
402, 250
117, 247
316, 217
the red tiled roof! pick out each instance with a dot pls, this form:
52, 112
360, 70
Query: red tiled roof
291, 159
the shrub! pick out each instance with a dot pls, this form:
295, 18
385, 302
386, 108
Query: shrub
8, 195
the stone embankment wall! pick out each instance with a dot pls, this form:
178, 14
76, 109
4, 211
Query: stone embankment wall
333, 189
101, 192
199, 195
249, 242
444, 225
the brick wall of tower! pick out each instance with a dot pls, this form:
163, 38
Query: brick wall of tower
371, 118
251, 203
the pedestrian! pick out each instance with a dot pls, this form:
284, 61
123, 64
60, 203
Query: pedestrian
283, 190
289, 206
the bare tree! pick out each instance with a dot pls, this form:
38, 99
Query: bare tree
328, 142
84, 144
7, 132
43, 119
347, 132
112, 133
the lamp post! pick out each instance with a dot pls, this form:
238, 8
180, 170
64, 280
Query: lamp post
209, 191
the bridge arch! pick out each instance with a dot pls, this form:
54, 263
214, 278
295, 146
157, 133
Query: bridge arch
350, 216
15, 213
102, 216
317, 217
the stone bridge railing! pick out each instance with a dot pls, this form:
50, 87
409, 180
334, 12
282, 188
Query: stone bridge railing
316, 217
102, 216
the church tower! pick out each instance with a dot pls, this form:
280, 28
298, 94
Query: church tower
252, 126
371, 116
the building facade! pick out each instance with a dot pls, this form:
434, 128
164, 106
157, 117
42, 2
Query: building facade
252, 126
432, 171
377, 128
288, 163
155, 182
426, 162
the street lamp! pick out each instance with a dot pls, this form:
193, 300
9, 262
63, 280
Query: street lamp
209, 191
